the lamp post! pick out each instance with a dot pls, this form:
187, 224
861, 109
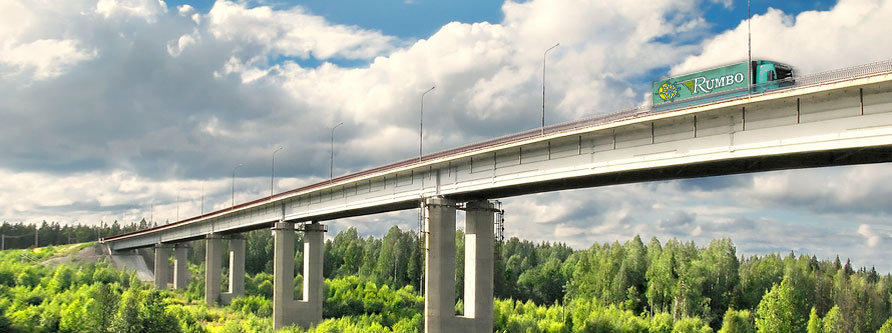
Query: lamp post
749, 46
421, 125
272, 176
544, 54
331, 165
232, 204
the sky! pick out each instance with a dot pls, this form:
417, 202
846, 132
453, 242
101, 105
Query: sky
131, 109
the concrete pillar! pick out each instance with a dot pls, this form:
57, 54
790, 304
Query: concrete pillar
439, 268
162, 265
309, 308
439, 298
212, 269
283, 274
236, 269
180, 267
479, 261
286, 310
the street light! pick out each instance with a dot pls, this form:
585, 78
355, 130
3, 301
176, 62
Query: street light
331, 167
233, 183
544, 54
421, 126
272, 176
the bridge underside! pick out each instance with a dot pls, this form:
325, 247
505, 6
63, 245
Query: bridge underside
816, 159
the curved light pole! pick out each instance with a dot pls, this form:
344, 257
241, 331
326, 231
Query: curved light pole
544, 54
421, 125
272, 176
331, 166
232, 204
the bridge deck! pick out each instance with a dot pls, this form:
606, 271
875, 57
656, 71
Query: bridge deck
832, 121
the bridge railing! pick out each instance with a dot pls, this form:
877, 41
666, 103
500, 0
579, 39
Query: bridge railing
849, 73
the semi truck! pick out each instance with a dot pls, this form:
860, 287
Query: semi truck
731, 80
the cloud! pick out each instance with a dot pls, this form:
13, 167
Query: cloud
24, 55
849, 34
144, 9
677, 219
725, 3
840, 190
710, 184
872, 238
43, 59
265, 32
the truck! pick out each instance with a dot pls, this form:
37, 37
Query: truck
712, 84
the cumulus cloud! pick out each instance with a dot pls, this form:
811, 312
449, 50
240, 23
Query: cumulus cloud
263, 31
872, 238
144, 9
31, 57
851, 33
44, 58
841, 190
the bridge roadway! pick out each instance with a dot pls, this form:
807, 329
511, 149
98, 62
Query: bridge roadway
834, 118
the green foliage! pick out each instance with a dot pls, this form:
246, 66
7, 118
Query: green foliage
833, 321
691, 325
887, 326
628, 287
351, 296
127, 318
777, 310
814, 323
661, 323
251, 304
737, 322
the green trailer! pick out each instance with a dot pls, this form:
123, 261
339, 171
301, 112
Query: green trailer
732, 80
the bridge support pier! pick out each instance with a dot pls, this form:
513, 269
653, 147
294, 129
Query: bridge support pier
212, 268
162, 265
439, 298
479, 263
287, 310
236, 269
180, 267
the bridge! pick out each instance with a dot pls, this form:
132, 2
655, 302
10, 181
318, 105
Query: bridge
841, 117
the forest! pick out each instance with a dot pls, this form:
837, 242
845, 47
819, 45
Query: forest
372, 286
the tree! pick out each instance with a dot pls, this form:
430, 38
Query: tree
72, 318
722, 277
814, 322
833, 321
258, 252
887, 326
737, 322
661, 278
100, 308
127, 317
777, 310
152, 316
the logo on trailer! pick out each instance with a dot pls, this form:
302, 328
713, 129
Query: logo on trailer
668, 91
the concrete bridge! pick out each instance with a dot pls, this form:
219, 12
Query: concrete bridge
840, 117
